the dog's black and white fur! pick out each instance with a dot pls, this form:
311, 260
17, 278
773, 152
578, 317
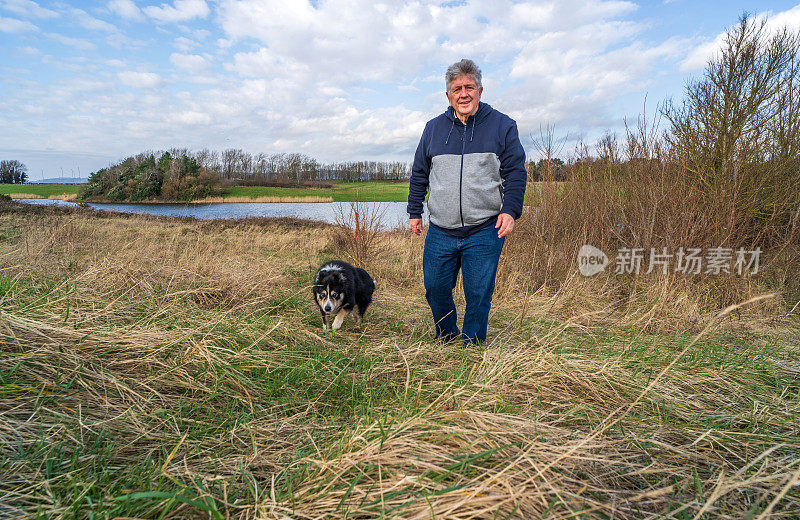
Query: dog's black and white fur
339, 289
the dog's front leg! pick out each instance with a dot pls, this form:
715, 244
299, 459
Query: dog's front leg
337, 322
324, 320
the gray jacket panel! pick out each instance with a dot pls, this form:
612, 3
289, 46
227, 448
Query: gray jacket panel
464, 195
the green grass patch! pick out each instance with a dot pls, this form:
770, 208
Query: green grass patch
368, 191
43, 190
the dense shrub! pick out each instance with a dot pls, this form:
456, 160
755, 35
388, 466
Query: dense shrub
143, 177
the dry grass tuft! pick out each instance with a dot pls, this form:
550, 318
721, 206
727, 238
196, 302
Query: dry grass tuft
25, 196
357, 236
70, 197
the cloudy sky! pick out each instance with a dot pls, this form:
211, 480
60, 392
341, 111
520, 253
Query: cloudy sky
84, 84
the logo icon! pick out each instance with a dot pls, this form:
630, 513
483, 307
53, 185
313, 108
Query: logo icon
591, 260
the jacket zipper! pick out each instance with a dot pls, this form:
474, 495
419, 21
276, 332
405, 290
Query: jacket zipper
461, 175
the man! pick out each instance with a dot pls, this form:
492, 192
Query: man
471, 160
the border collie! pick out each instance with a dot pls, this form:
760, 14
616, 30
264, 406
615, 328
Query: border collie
339, 289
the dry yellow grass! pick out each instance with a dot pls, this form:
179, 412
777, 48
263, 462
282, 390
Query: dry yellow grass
70, 197
25, 196
67, 197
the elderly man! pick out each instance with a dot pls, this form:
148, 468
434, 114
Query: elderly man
471, 160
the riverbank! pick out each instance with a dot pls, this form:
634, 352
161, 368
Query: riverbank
156, 367
371, 191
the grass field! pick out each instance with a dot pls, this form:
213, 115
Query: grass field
154, 368
42, 190
378, 191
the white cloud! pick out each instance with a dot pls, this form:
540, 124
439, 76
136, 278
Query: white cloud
139, 80
201, 34
27, 8
88, 21
181, 11
77, 43
189, 62
126, 9
14, 26
551, 60
184, 44
192, 117
790, 19
304, 78
336, 79
699, 56
346, 41
30, 51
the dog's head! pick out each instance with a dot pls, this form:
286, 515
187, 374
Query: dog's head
329, 291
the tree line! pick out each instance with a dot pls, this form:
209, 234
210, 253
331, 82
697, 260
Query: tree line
236, 166
13, 172
182, 174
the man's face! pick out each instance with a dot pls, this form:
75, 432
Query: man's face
464, 96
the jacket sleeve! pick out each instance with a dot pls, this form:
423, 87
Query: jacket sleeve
418, 185
513, 173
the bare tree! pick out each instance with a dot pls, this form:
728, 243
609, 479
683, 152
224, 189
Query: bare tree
738, 131
727, 116
549, 147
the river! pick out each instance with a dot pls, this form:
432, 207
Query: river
391, 214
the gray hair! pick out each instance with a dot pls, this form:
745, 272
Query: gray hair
462, 68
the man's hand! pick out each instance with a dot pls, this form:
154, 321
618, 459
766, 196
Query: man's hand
506, 224
416, 225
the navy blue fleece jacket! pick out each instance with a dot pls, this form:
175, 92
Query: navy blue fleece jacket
474, 171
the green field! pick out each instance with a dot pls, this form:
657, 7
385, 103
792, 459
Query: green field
43, 190
377, 191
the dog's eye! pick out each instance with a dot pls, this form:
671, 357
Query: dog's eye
334, 295
322, 294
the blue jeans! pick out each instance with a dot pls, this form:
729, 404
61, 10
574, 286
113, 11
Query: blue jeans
477, 256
